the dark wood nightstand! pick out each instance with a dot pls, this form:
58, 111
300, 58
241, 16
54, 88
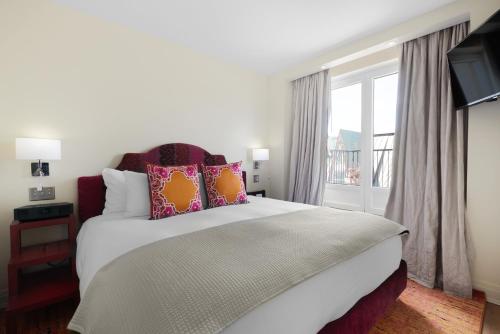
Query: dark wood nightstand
258, 193
33, 290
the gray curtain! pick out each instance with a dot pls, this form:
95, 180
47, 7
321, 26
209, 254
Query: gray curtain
311, 111
428, 190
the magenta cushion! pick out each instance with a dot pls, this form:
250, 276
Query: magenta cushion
173, 190
224, 184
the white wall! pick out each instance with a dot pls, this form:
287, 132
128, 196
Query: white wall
483, 193
106, 90
484, 132
483, 183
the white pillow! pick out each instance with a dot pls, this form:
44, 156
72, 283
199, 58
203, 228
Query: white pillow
137, 199
115, 191
203, 191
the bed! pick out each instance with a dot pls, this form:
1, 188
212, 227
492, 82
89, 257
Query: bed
346, 298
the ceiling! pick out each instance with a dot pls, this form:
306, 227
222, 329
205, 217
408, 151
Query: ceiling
264, 35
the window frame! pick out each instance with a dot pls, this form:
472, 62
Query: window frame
366, 77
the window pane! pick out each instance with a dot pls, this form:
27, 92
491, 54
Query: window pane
344, 139
385, 90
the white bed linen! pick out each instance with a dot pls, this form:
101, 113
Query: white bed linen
303, 309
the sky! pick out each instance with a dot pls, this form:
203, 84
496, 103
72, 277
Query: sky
346, 106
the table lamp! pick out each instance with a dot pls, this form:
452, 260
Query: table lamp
258, 155
38, 149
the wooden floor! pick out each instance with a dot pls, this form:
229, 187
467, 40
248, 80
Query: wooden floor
423, 310
492, 319
53, 320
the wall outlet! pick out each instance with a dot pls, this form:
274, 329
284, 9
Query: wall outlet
256, 179
45, 194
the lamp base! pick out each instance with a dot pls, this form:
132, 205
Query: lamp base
39, 169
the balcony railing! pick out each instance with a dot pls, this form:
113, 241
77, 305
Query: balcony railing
344, 165
382, 168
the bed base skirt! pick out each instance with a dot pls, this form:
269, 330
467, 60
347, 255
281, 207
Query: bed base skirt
369, 309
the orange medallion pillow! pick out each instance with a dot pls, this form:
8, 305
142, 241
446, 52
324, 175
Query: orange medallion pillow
225, 184
173, 190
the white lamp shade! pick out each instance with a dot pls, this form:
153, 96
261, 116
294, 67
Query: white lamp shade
260, 154
38, 149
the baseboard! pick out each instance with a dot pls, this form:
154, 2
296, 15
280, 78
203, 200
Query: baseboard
491, 290
3, 298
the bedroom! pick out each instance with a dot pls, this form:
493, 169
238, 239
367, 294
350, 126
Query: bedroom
109, 78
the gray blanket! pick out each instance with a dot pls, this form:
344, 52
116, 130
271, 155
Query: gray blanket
203, 281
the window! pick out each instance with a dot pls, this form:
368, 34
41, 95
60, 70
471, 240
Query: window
344, 138
361, 136
385, 91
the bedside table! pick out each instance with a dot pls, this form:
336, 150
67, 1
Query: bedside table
258, 193
28, 291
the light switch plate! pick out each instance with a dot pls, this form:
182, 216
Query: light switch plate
256, 179
45, 194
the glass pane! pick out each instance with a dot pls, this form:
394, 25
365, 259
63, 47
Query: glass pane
344, 138
385, 90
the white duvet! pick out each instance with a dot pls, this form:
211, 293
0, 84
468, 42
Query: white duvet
304, 309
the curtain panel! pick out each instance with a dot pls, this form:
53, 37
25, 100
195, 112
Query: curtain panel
428, 190
311, 112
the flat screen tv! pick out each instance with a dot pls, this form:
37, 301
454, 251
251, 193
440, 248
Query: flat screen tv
475, 65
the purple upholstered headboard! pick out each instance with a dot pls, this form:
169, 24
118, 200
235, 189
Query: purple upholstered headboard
91, 189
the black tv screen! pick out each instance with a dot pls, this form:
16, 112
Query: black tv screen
475, 65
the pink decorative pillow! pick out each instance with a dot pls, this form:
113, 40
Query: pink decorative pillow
173, 190
224, 184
